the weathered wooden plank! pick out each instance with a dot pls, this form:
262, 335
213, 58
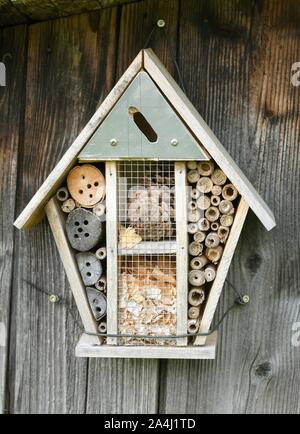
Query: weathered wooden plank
9, 14
13, 54
236, 61
85, 348
182, 251
23, 11
112, 249
69, 72
128, 386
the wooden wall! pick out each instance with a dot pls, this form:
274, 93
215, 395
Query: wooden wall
236, 59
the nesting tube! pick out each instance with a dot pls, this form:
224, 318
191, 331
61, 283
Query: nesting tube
62, 194
196, 296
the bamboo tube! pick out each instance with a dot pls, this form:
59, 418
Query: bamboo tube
196, 296
192, 228
195, 194
214, 226
192, 165
214, 254
203, 224
194, 312
101, 284
203, 202
102, 327
215, 200
198, 262
194, 216
225, 207
204, 185
68, 205
195, 249
62, 194
216, 190
210, 273
218, 177
199, 236
226, 220
192, 205
206, 168
212, 214
99, 209
101, 253
229, 192
193, 176
192, 326
212, 240
196, 277
223, 233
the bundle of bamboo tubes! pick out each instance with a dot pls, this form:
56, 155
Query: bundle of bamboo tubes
211, 209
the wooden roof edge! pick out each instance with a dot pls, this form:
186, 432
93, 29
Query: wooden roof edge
33, 212
190, 115
147, 60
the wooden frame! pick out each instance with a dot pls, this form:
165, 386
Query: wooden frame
147, 61
85, 348
189, 114
112, 249
182, 247
34, 211
57, 225
204, 347
223, 268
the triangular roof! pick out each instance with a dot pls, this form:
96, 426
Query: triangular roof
142, 125
148, 61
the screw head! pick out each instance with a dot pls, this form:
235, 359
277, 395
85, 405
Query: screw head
161, 23
174, 142
113, 142
246, 299
53, 298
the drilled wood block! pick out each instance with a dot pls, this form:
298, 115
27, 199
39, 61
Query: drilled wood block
84, 229
90, 267
97, 302
86, 185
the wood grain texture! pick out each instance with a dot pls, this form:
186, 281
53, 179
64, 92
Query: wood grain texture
23, 11
69, 72
236, 61
115, 386
13, 54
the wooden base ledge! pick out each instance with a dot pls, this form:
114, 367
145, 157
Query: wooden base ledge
86, 348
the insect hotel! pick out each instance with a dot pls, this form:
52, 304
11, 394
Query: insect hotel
146, 208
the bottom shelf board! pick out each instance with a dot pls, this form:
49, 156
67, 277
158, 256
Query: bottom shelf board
87, 348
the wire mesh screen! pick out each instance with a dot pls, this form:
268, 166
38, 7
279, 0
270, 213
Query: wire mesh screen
147, 251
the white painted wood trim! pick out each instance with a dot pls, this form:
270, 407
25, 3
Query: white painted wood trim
86, 349
112, 249
222, 271
189, 114
182, 247
66, 253
33, 212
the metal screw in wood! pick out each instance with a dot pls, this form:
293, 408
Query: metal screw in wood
161, 23
246, 299
53, 298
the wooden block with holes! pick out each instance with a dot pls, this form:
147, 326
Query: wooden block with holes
146, 208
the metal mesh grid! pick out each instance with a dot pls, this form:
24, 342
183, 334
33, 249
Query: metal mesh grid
147, 247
